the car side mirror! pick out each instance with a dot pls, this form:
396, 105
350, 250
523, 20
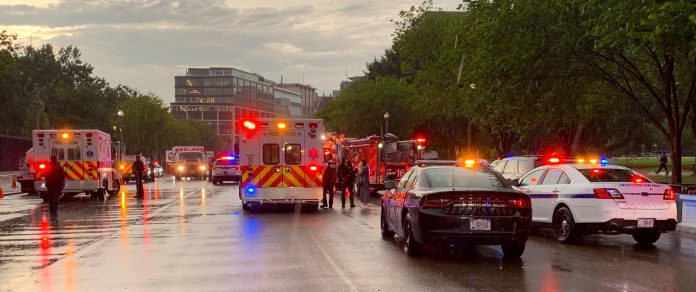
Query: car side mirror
515, 182
389, 185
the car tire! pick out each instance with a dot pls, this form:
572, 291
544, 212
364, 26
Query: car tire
564, 227
513, 249
245, 207
646, 237
386, 233
411, 246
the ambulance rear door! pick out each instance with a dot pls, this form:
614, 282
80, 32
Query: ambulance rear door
265, 165
68, 149
293, 162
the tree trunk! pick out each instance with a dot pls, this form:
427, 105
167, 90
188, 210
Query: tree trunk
676, 159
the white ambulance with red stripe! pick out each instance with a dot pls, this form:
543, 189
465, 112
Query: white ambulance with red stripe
281, 162
84, 154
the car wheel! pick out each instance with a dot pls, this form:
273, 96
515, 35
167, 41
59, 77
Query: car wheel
245, 206
411, 246
513, 249
564, 226
386, 233
646, 237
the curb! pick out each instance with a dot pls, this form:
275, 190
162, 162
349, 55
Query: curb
686, 228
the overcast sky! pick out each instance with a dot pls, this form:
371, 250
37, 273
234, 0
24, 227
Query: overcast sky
144, 43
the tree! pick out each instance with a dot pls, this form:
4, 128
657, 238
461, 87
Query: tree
646, 51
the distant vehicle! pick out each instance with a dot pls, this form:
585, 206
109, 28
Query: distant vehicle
226, 169
125, 168
84, 154
187, 161
517, 166
384, 155
456, 205
585, 199
157, 170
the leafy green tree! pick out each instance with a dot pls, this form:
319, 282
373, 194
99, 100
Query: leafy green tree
645, 51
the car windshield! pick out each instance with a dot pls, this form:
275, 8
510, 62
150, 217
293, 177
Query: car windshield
459, 177
191, 156
611, 175
226, 162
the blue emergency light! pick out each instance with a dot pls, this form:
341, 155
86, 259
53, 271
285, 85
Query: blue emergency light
603, 162
251, 190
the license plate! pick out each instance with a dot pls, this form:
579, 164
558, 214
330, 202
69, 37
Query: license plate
646, 222
480, 224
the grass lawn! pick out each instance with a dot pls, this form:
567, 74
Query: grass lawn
648, 165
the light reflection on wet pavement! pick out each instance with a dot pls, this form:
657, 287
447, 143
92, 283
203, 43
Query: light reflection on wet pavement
194, 236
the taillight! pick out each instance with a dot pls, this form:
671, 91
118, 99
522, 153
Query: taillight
313, 168
607, 194
439, 202
670, 195
520, 203
42, 166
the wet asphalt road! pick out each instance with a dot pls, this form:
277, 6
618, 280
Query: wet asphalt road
193, 236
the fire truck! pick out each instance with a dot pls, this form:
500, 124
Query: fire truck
187, 161
84, 154
281, 161
385, 155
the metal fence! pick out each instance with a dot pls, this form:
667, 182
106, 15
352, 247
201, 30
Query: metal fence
11, 150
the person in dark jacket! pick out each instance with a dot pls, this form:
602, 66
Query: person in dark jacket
663, 164
346, 179
55, 182
139, 170
328, 178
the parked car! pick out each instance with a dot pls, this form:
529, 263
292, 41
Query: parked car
226, 169
585, 199
456, 205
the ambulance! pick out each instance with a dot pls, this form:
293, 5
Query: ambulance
84, 154
281, 161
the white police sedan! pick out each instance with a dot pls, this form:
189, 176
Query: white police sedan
585, 199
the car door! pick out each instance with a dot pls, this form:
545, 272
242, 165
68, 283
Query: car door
293, 168
400, 199
548, 192
393, 209
528, 184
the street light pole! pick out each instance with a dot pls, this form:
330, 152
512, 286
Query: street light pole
386, 123
122, 115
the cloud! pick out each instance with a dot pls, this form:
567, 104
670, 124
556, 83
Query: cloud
144, 43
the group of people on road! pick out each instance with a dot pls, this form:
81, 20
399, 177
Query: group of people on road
346, 180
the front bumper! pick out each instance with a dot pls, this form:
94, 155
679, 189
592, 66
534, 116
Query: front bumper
621, 226
431, 225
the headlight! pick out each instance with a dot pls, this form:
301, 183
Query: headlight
202, 167
180, 168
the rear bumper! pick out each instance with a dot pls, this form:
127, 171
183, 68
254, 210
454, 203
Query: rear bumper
432, 226
227, 177
622, 226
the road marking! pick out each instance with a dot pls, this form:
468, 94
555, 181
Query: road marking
333, 264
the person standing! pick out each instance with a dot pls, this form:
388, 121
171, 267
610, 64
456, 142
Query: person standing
55, 182
138, 170
663, 164
328, 178
346, 179
364, 183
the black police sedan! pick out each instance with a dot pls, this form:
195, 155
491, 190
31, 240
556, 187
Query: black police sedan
456, 206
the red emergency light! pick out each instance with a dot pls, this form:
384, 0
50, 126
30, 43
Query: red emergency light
249, 125
554, 160
42, 166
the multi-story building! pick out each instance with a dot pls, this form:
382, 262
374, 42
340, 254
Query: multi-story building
290, 101
221, 96
309, 97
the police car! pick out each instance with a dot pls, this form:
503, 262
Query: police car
579, 199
